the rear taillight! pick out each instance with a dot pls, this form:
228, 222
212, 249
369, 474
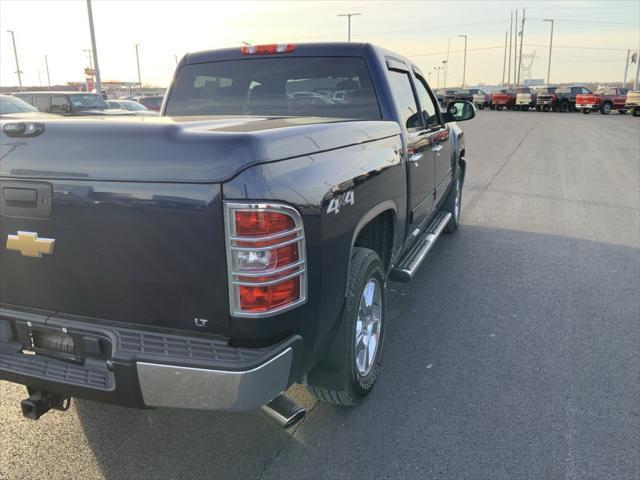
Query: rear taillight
267, 49
265, 258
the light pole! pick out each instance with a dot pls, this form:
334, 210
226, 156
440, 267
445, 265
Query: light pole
637, 58
46, 62
464, 64
349, 15
94, 48
437, 69
15, 52
550, 47
510, 47
176, 59
626, 69
444, 74
138, 63
524, 17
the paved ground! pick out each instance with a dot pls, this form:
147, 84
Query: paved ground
514, 354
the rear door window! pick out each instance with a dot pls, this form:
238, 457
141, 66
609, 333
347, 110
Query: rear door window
405, 99
59, 104
338, 87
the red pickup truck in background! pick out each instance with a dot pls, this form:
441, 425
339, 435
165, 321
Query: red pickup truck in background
603, 99
504, 99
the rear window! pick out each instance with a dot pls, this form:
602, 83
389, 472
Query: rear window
338, 87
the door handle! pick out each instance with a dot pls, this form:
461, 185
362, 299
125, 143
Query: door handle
437, 148
415, 157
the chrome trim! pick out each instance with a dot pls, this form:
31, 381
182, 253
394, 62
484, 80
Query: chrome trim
197, 388
264, 249
266, 238
232, 273
431, 240
269, 282
262, 273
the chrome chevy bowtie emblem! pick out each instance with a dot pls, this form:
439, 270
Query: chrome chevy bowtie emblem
29, 245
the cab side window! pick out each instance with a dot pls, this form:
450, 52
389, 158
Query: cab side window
405, 98
427, 104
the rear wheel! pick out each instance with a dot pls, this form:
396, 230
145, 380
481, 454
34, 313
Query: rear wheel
499, 108
586, 111
481, 106
538, 108
453, 203
356, 353
636, 112
605, 109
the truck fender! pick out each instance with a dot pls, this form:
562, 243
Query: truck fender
370, 215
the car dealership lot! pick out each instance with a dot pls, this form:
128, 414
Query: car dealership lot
521, 363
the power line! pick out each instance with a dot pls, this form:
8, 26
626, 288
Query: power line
577, 47
453, 51
593, 22
404, 30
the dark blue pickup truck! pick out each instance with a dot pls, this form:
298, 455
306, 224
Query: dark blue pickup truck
241, 242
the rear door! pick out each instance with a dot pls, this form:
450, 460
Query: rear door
419, 154
438, 134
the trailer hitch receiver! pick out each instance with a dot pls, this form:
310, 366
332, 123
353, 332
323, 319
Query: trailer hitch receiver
41, 401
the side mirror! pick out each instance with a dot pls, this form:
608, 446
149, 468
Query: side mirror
460, 111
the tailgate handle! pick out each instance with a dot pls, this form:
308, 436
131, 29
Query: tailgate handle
21, 197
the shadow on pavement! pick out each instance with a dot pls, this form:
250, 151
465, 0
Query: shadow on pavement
511, 355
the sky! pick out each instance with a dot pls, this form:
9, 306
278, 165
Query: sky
590, 41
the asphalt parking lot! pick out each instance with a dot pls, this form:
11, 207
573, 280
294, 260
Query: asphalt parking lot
514, 354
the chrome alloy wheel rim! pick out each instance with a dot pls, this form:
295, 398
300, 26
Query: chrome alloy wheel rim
456, 206
368, 326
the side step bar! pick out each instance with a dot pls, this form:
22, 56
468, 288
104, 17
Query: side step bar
407, 267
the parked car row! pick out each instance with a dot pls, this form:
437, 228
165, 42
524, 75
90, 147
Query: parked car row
569, 98
77, 104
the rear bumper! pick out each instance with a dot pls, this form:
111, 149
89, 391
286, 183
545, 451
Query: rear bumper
144, 369
587, 106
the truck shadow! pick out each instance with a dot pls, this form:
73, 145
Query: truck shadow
483, 349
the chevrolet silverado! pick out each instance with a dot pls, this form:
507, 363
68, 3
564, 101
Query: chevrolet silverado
241, 242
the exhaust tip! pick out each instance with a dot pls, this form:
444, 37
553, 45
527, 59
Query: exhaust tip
284, 411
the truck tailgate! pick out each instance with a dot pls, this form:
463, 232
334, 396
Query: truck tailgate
130, 252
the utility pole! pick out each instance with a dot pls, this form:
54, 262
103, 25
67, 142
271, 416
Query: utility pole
39, 78
510, 46
504, 62
446, 67
176, 58
464, 64
15, 53
437, 69
626, 68
637, 56
138, 63
515, 52
444, 74
524, 10
349, 15
46, 62
94, 48
551, 46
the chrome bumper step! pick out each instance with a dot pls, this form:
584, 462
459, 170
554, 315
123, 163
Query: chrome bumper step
409, 264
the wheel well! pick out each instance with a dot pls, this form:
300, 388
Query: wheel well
378, 235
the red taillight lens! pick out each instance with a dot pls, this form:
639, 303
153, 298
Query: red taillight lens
257, 224
263, 299
266, 261
267, 49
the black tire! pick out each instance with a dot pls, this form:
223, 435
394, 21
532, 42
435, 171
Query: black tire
564, 107
636, 112
586, 111
545, 108
352, 386
492, 107
538, 108
499, 108
622, 112
605, 109
516, 107
449, 205
481, 107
